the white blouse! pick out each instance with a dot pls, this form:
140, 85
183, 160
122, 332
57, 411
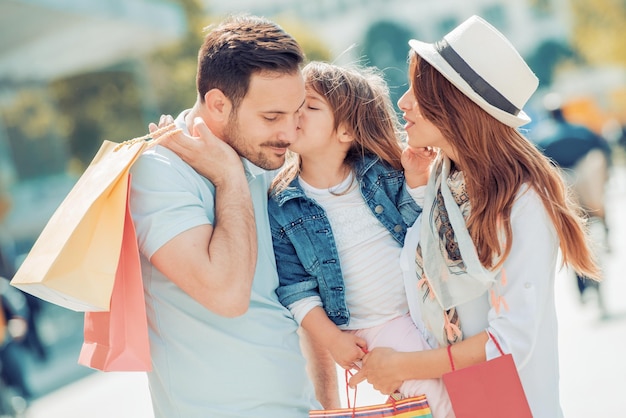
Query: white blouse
528, 329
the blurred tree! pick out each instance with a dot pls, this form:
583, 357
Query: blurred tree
314, 48
171, 72
35, 134
385, 46
548, 58
117, 103
599, 30
97, 106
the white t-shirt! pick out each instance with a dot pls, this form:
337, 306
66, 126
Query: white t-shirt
368, 254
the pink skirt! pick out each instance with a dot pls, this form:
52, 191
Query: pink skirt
402, 335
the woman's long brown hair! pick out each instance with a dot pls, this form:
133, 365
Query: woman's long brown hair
497, 160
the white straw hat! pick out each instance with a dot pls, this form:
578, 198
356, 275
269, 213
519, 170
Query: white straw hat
483, 64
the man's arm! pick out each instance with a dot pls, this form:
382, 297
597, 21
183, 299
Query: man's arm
322, 371
214, 264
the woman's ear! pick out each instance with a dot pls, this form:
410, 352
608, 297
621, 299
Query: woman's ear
217, 105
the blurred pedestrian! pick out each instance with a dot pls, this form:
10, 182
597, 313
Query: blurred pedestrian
8, 267
15, 316
584, 158
7, 247
13, 352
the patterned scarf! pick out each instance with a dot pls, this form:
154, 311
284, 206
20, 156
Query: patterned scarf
447, 266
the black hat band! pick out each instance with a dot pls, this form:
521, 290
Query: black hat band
476, 82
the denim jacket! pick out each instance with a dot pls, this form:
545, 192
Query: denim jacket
306, 255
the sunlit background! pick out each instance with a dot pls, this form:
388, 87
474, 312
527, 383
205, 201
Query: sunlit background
76, 72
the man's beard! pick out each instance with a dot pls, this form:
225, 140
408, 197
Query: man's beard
233, 136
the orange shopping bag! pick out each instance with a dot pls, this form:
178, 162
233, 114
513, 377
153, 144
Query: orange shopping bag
73, 262
117, 340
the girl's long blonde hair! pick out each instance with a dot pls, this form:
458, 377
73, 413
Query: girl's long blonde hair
359, 99
497, 160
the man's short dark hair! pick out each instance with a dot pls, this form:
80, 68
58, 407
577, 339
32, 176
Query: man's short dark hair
240, 46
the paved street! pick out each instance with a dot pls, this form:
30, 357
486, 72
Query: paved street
592, 366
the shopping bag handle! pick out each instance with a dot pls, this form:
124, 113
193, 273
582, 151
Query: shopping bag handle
490, 336
349, 374
164, 132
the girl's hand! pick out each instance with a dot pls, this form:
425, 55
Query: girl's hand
417, 163
348, 350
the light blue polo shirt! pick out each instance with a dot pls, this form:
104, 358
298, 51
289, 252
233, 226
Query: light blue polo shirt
205, 365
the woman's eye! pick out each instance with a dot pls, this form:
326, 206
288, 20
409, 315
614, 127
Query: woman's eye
272, 119
312, 108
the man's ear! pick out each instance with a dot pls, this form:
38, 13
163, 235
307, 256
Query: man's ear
217, 105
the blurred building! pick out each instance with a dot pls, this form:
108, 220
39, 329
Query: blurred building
46, 39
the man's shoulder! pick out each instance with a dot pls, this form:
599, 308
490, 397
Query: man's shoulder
158, 168
160, 160
155, 159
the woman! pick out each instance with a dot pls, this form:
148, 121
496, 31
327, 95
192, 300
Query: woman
339, 212
495, 215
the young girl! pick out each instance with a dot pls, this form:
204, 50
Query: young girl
339, 211
495, 215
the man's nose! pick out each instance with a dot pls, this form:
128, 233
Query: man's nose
292, 126
288, 133
299, 116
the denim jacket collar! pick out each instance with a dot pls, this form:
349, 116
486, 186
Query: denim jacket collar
294, 190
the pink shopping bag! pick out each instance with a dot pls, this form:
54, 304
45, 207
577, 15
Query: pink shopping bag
117, 340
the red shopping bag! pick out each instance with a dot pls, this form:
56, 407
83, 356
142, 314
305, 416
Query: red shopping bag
491, 389
117, 340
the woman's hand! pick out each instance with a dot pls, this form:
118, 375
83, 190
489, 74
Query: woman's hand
380, 369
417, 163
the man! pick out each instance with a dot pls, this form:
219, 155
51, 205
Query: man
221, 343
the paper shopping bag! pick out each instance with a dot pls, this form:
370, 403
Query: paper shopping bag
406, 408
118, 340
414, 407
491, 389
74, 260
